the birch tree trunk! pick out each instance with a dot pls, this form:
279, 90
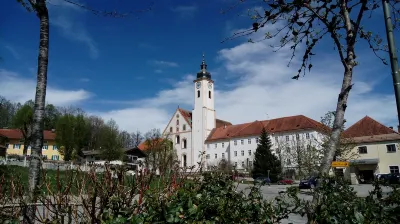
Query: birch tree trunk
348, 64
39, 108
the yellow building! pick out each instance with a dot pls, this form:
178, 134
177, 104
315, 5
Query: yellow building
15, 144
377, 149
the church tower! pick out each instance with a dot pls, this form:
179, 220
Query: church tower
203, 116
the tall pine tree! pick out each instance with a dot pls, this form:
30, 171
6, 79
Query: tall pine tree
264, 160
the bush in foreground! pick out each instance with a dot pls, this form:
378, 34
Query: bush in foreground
174, 197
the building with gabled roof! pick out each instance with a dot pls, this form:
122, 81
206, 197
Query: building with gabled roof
376, 147
198, 136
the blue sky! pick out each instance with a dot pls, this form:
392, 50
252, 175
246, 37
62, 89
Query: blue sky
138, 70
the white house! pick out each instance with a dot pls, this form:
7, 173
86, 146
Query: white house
199, 132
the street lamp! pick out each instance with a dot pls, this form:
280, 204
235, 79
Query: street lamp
393, 56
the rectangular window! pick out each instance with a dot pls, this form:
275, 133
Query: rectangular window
249, 141
170, 129
257, 140
198, 93
44, 157
297, 136
55, 147
249, 152
208, 156
17, 146
184, 127
235, 142
215, 145
235, 153
307, 135
45, 147
242, 163
287, 138
394, 169
216, 156
223, 145
242, 152
7, 145
55, 157
242, 142
362, 150
391, 148
223, 155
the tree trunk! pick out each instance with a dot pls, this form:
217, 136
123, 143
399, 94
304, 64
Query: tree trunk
39, 109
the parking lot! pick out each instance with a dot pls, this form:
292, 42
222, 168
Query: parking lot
270, 192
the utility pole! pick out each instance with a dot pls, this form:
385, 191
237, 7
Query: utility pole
393, 56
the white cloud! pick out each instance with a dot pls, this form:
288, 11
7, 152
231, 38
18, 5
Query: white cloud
64, 16
15, 88
164, 63
261, 88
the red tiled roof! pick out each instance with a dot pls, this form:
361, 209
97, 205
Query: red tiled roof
187, 115
367, 127
17, 134
283, 124
146, 144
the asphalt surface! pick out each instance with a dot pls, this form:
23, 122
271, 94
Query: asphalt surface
270, 192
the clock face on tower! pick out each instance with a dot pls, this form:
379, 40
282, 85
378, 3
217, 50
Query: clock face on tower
209, 85
198, 85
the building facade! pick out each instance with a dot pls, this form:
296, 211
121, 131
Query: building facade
14, 144
200, 138
376, 148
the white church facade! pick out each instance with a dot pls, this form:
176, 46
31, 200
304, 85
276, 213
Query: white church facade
198, 136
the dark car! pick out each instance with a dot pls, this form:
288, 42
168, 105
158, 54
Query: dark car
390, 178
308, 183
261, 180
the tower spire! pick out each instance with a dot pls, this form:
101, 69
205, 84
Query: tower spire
203, 70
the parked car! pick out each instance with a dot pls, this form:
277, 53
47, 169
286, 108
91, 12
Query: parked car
390, 178
286, 181
261, 180
308, 183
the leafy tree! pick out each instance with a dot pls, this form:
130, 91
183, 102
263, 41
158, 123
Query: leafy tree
23, 121
7, 112
51, 117
264, 160
95, 126
111, 144
304, 24
65, 135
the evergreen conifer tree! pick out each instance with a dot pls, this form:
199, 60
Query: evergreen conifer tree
264, 159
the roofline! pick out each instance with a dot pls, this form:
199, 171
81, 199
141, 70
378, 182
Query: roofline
242, 136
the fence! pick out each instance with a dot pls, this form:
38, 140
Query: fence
56, 166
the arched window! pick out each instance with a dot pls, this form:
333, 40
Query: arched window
198, 93
177, 139
184, 162
209, 94
184, 143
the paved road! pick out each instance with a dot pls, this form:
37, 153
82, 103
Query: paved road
270, 192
